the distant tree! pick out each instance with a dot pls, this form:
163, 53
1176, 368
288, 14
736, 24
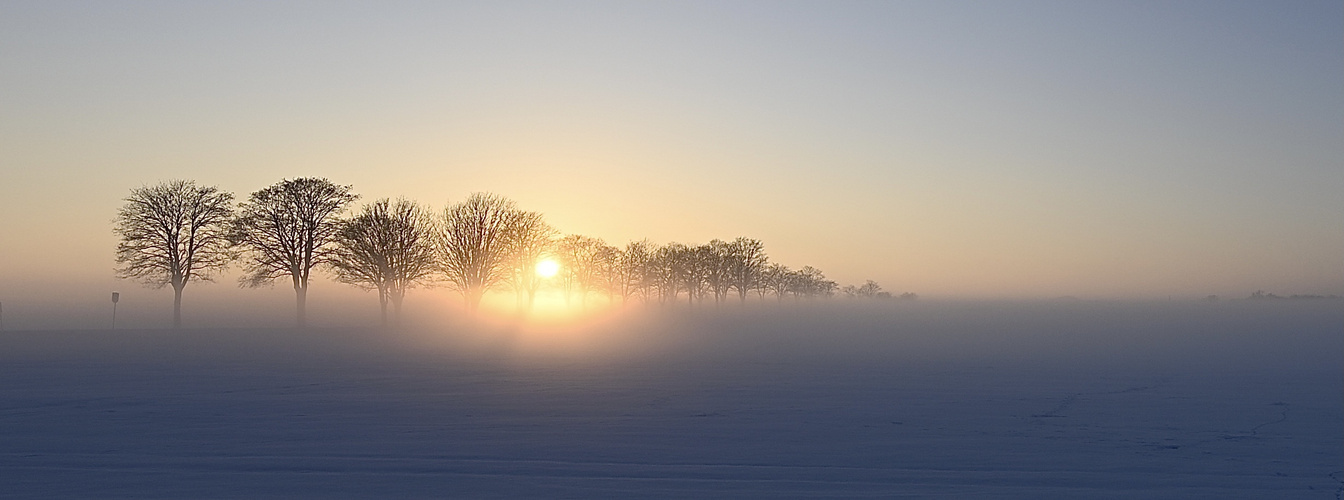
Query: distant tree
664, 271
581, 264
387, 247
288, 229
778, 279
684, 270
718, 267
870, 289
700, 267
474, 244
609, 276
174, 233
747, 264
640, 269
624, 278
909, 296
667, 268
530, 240
810, 282
825, 288
713, 259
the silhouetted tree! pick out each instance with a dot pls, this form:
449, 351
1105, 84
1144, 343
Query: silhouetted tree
608, 273
666, 271
474, 244
288, 229
778, 279
530, 239
748, 261
810, 282
387, 247
869, 290
716, 261
581, 264
174, 233
641, 273
681, 268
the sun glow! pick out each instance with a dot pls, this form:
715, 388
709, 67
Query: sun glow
548, 268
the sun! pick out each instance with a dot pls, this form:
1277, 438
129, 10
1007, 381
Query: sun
547, 268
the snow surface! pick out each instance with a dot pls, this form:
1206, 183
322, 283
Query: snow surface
926, 400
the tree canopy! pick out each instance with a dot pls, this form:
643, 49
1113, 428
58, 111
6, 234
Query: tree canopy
174, 233
288, 229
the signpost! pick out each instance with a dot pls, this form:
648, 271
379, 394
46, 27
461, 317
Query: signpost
115, 297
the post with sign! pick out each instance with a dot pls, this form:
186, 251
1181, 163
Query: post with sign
115, 297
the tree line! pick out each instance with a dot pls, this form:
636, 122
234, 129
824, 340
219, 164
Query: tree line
177, 232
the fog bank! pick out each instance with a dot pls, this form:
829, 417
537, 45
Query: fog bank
1243, 335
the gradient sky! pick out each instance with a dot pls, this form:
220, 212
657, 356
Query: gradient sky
955, 149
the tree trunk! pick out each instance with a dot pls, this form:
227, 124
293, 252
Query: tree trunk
382, 305
301, 280
301, 304
177, 305
472, 298
396, 310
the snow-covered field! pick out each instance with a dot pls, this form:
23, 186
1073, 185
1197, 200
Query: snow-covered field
953, 400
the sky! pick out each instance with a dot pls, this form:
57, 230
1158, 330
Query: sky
953, 149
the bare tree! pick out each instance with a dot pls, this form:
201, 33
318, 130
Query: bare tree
869, 290
628, 275
530, 240
387, 247
174, 233
581, 258
288, 228
810, 282
778, 279
666, 269
684, 267
638, 264
608, 273
747, 265
718, 259
473, 244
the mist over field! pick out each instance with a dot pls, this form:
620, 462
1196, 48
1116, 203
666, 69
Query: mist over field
672, 249
1236, 399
